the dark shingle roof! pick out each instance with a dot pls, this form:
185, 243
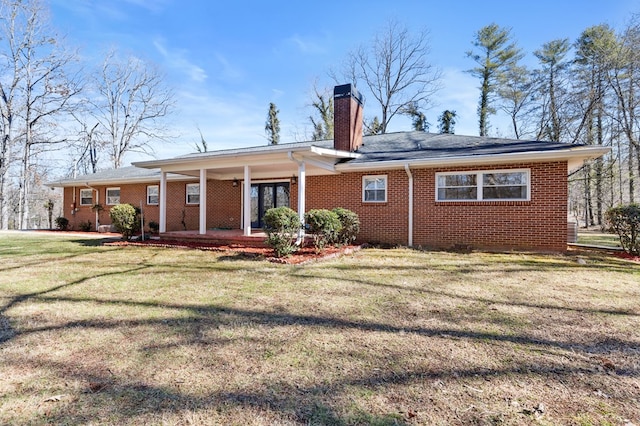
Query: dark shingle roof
420, 145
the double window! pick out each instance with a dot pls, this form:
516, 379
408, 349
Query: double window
374, 189
492, 185
193, 193
152, 194
113, 196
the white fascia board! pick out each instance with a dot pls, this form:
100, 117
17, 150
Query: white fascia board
572, 155
334, 153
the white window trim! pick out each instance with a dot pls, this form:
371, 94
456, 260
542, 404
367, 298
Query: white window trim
81, 197
386, 188
106, 195
479, 185
158, 195
186, 193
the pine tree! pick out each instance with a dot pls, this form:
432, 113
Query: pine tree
447, 122
272, 126
496, 54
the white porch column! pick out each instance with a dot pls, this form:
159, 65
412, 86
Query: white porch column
301, 193
203, 201
163, 202
246, 204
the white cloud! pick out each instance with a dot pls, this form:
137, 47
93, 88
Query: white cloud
306, 45
177, 59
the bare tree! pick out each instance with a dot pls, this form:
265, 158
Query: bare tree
322, 123
131, 103
39, 90
394, 68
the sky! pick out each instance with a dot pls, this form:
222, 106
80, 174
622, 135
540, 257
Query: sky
227, 60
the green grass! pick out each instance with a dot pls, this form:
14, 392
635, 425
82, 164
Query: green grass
598, 239
93, 334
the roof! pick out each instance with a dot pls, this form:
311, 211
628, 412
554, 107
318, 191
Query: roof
393, 150
378, 152
130, 174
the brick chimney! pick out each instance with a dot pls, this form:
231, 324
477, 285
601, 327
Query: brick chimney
347, 118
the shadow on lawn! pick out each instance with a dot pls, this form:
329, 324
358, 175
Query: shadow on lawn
122, 398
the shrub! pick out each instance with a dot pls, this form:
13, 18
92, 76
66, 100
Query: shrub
625, 220
324, 225
125, 218
85, 226
350, 225
62, 223
281, 225
154, 227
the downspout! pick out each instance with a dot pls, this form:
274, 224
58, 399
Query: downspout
301, 195
410, 224
97, 202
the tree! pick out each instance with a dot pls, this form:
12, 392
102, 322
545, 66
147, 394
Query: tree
515, 89
593, 63
496, 54
395, 70
322, 104
202, 146
418, 119
272, 126
131, 106
551, 78
373, 127
37, 89
447, 122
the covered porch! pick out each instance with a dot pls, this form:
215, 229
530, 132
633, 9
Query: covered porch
244, 168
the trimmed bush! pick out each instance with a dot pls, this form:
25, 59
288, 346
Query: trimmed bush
124, 218
625, 220
324, 225
85, 226
62, 223
154, 227
350, 226
282, 225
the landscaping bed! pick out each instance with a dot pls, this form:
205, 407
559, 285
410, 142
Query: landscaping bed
301, 256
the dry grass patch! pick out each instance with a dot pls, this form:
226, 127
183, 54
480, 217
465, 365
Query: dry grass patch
138, 335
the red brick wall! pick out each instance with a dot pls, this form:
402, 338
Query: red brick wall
540, 223
379, 222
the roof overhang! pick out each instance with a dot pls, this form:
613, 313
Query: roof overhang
272, 163
575, 157
88, 181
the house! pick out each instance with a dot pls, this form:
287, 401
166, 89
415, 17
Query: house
409, 188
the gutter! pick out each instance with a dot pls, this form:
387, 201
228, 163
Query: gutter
410, 209
580, 153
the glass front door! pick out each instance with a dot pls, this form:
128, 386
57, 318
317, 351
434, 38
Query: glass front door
265, 196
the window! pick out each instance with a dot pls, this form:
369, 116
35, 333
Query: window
86, 197
113, 196
193, 193
374, 189
152, 194
493, 185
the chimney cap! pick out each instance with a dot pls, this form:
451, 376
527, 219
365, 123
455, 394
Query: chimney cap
345, 90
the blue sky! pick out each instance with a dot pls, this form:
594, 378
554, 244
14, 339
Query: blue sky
227, 60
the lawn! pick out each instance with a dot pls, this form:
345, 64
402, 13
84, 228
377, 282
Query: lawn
92, 334
598, 238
